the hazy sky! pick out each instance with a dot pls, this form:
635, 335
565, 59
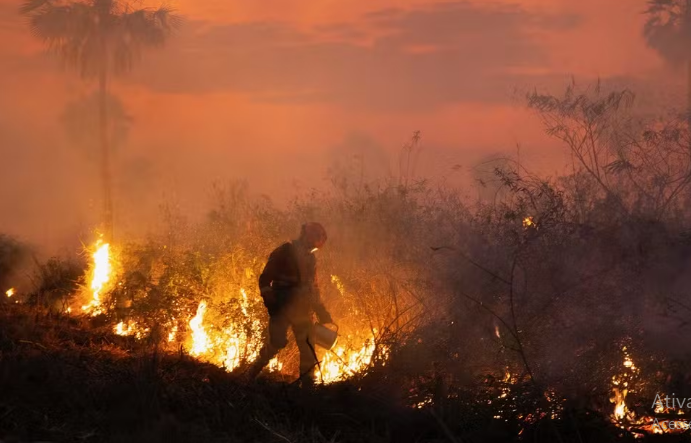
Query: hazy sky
274, 91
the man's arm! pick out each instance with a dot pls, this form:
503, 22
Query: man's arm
317, 304
269, 274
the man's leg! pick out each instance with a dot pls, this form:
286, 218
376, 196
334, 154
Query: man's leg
275, 340
308, 361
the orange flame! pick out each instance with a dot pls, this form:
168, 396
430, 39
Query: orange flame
620, 389
528, 222
102, 268
130, 328
200, 339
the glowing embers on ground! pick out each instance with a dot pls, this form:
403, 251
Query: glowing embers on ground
100, 276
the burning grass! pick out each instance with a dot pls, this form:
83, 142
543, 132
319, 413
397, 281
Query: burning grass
425, 354
226, 326
551, 313
432, 352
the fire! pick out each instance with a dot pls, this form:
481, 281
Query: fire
238, 341
241, 342
341, 363
121, 329
624, 384
239, 345
352, 357
130, 328
101, 276
10, 292
620, 404
275, 365
528, 222
621, 384
231, 346
173, 332
200, 339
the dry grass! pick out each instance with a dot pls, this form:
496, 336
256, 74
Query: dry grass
66, 379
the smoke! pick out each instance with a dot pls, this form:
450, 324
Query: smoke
14, 257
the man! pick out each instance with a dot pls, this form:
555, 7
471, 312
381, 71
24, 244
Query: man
290, 291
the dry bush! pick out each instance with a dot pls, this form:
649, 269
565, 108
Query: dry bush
458, 295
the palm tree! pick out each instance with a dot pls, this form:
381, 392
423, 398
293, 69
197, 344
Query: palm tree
668, 31
80, 122
99, 38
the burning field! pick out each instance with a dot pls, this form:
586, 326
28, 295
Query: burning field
228, 333
556, 313
182, 321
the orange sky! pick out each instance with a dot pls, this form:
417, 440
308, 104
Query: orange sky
275, 91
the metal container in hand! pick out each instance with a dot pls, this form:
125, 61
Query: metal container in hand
323, 336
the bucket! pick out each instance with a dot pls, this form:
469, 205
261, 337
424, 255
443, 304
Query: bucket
323, 336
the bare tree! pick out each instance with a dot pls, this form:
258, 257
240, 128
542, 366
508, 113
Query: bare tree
641, 167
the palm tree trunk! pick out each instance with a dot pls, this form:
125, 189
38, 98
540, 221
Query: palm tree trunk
687, 11
688, 93
105, 155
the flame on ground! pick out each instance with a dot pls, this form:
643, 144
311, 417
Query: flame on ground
275, 365
130, 328
241, 342
342, 363
102, 269
623, 384
230, 346
9, 292
200, 339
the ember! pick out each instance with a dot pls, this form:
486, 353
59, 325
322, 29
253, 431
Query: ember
528, 222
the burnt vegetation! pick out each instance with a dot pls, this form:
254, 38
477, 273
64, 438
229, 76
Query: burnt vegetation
495, 321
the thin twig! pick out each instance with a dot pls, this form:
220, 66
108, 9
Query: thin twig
265, 426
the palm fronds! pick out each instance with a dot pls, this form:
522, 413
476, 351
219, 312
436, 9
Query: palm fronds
98, 35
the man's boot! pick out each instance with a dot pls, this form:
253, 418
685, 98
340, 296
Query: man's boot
266, 353
307, 378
